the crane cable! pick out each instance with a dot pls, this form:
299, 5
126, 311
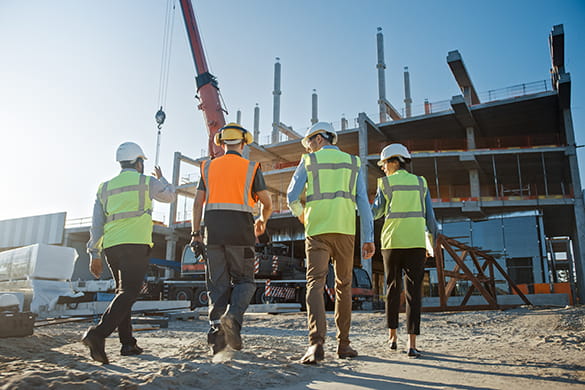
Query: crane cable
165, 62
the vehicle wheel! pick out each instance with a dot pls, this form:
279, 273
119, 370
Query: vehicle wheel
183, 294
201, 297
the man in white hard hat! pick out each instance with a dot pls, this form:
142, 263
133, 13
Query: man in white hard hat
230, 186
334, 185
121, 231
404, 200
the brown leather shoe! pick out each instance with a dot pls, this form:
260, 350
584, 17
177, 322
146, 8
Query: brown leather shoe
345, 351
96, 345
314, 354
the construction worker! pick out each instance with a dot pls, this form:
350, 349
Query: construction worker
230, 186
404, 200
334, 184
121, 229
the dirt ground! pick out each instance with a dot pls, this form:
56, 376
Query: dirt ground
535, 348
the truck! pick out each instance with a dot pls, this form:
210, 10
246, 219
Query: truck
279, 278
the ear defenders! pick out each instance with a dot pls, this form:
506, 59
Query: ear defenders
233, 132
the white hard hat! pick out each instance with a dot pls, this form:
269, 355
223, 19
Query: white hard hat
394, 150
8, 300
319, 127
129, 151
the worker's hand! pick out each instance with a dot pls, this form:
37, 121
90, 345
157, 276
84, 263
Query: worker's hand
157, 172
368, 250
301, 218
96, 267
259, 227
195, 239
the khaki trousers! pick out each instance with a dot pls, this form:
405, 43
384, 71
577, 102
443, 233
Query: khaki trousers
319, 249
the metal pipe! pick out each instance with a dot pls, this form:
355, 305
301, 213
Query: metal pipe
276, 104
495, 176
381, 76
257, 124
519, 174
407, 99
437, 179
315, 116
239, 117
544, 174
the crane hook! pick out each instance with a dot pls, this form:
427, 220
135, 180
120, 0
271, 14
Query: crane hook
160, 117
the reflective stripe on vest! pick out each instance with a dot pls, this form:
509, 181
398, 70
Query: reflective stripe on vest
245, 205
404, 225
314, 168
331, 192
141, 188
388, 189
127, 207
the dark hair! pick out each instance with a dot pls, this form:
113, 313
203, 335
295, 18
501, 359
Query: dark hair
401, 161
131, 164
326, 136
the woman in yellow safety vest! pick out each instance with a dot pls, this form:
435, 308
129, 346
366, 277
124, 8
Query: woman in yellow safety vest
404, 200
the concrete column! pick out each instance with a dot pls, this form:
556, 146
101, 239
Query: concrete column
276, 103
578, 236
474, 187
170, 252
344, 122
257, 124
314, 108
381, 76
467, 95
239, 117
176, 176
470, 132
407, 99
363, 155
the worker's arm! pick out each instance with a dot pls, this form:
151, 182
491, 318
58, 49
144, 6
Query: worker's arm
265, 212
295, 189
160, 189
430, 219
379, 205
197, 215
96, 234
366, 220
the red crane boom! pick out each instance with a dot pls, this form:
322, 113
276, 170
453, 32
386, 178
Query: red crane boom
207, 88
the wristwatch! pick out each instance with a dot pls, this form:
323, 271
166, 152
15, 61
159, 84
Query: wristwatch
196, 234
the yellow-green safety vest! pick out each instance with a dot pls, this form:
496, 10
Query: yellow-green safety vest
404, 225
128, 209
330, 191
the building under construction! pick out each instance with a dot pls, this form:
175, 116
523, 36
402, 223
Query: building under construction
501, 167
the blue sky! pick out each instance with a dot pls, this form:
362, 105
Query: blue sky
78, 77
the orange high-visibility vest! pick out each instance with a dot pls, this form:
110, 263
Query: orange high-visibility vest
228, 183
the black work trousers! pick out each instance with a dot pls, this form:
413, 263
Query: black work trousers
129, 264
412, 261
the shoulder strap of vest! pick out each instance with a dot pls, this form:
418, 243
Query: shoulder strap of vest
142, 190
387, 189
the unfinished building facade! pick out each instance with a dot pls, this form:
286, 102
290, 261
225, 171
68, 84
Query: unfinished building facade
501, 167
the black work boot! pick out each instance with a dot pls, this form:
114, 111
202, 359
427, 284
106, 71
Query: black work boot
96, 345
216, 340
231, 328
130, 350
